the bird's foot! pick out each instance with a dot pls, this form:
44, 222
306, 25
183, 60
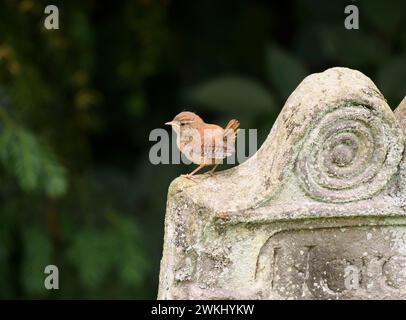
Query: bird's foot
188, 176
211, 172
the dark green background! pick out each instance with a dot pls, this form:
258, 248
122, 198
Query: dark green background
77, 106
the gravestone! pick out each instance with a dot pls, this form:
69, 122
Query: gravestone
319, 212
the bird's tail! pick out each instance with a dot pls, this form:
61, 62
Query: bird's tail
231, 129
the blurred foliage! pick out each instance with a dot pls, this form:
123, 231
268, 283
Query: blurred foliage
31, 162
234, 93
77, 105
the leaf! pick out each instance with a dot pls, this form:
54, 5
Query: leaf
233, 95
31, 162
385, 16
391, 80
352, 48
36, 256
284, 71
312, 55
116, 250
93, 253
55, 180
133, 264
19, 155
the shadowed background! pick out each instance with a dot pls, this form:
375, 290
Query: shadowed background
77, 105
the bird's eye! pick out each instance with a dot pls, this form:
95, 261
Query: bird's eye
182, 124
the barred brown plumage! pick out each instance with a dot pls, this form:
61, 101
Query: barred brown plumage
203, 143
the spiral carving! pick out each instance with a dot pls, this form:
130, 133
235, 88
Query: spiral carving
350, 154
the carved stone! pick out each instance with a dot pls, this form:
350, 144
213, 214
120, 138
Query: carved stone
318, 212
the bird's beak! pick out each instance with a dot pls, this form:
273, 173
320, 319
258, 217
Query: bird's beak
170, 123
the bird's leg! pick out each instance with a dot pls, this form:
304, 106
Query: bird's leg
211, 172
189, 175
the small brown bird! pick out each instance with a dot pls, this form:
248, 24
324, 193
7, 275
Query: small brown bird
203, 143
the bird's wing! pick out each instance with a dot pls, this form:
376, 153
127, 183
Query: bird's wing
218, 151
219, 148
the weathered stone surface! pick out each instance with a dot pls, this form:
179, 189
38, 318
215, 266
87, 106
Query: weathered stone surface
318, 213
400, 114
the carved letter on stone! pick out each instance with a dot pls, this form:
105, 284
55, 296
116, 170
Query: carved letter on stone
318, 213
